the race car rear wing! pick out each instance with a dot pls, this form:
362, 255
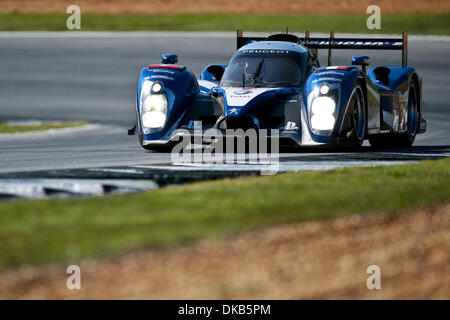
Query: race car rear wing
336, 43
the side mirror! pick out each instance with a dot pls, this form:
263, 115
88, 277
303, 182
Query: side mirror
214, 92
169, 58
360, 61
213, 72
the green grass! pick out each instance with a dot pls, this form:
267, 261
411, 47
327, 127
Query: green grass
44, 231
425, 23
6, 128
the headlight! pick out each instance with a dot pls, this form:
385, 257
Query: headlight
157, 87
153, 119
153, 106
323, 105
324, 89
323, 122
322, 114
155, 102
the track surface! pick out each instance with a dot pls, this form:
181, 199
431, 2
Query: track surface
92, 76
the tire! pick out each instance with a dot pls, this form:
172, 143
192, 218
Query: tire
412, 119
358, 117
404, 140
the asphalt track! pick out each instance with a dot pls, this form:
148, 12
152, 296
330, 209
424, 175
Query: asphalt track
92, 76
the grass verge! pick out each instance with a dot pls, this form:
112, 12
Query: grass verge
6, 128
424, 23
44, 231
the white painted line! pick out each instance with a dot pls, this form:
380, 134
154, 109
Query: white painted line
114, 170
438, 155
38, 188
114, 34
59, 131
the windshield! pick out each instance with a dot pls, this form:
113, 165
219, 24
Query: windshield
254, 68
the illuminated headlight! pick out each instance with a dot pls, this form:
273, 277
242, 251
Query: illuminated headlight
154, 111
322, 113
153, 119
153, 106
322, 122
324, 89
155, 102
323, 105
157, 87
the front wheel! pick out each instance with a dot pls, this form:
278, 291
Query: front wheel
358, 117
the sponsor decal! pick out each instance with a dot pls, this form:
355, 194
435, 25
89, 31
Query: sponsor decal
162, 77
242, 92
327, 79
163, 71
358, 43
273, 51
238, 97
233, 111
290, 126
331, 73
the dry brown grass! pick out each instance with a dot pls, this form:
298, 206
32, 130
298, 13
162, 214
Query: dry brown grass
225, 6
325, 259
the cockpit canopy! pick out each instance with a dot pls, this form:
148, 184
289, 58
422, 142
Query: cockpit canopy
255, 68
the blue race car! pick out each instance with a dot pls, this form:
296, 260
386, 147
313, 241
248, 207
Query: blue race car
277, 83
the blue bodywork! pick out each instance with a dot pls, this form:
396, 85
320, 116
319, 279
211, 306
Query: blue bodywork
396, 77
288, 109
181, 88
